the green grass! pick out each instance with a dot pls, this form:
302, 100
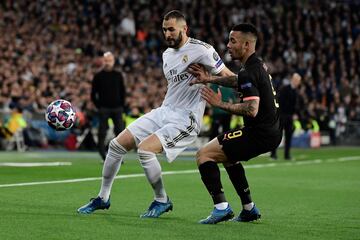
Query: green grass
318, 200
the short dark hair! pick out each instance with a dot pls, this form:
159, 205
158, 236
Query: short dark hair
174, 14
246, 28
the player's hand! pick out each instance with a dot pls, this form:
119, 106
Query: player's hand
200, 74
211, 97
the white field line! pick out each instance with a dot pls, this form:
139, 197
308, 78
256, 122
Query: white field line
307, 162
34, 164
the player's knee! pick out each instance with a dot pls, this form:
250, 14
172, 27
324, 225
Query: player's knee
146, 152
126, 139
146, 158
116, 147
151, 144
145, 155
143, 147
116, 151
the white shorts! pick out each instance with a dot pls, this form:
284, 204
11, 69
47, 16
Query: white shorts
176, 129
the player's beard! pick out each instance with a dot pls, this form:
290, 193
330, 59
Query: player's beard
237, 54
174, 43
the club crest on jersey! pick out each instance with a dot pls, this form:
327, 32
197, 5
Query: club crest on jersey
185, 59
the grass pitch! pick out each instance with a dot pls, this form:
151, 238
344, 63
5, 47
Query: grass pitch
315, 197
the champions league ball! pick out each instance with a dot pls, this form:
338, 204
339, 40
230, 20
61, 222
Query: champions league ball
60, 115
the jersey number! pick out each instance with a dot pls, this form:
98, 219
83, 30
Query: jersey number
232, 135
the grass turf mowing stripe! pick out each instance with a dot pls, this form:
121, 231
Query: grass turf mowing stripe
315, 161
34, 164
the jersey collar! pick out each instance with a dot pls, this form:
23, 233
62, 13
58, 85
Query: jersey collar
251, 59
186, 43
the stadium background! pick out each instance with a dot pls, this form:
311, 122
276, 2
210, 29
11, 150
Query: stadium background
51, 49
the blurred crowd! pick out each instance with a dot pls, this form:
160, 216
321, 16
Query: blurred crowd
52, 49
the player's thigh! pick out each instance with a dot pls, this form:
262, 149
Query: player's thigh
146, 125
239, 144
179, 129
212, 151
152, 144
246, 143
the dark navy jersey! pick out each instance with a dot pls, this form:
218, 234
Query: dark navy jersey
255, 83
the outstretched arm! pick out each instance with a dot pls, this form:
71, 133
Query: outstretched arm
226, 77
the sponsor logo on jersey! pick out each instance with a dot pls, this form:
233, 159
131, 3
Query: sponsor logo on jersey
185, 59
173, 72
181, 77
218, 64
173, 76
246, 85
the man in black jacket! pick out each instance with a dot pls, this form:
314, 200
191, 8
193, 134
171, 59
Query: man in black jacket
108, 95
288, 99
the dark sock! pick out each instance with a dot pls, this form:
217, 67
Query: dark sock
237, 176
210, 175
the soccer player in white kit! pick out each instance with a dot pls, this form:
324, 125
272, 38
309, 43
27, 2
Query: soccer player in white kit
169, 128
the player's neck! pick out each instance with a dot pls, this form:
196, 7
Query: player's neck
183, 42
246, 57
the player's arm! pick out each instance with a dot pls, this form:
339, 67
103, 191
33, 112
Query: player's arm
249, 107
225, 77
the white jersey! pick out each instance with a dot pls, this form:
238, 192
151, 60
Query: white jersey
175, 63
177, 122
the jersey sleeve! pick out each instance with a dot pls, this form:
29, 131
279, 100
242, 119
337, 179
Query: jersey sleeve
247, 86
211, 60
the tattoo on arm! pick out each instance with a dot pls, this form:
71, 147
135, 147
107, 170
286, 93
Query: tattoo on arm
248, 108
226, 81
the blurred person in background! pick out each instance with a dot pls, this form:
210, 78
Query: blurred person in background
11, 124
289, 103
108, 95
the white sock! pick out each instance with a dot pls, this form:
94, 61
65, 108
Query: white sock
111, 168
222, 206
248, 206
152, 169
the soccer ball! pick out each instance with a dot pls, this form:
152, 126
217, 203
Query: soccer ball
60, 115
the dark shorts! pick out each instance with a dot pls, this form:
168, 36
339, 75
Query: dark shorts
246, 143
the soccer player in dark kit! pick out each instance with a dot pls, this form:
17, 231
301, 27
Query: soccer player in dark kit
261, 133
